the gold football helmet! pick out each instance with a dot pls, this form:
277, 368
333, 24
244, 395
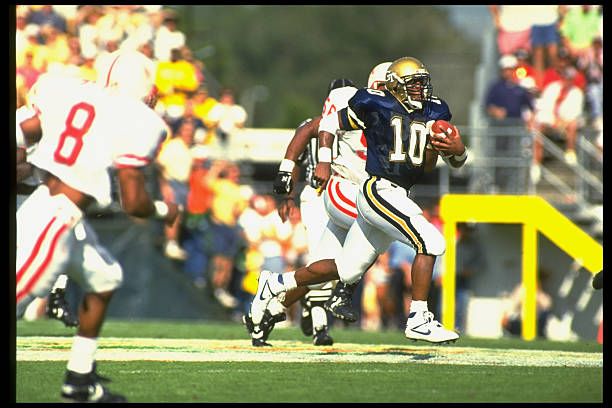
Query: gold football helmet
409, 81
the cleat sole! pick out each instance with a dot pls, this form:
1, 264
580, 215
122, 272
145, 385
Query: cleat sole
259, 343
341, 317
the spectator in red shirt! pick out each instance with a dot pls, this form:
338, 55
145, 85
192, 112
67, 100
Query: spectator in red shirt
554, 73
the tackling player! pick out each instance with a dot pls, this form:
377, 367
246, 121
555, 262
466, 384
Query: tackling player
81, 131
327, 217
397, 124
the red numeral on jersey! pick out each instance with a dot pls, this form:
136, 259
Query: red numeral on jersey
74, 134
363, 154
327, 108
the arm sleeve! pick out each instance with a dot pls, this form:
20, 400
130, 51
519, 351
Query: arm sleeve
330, 123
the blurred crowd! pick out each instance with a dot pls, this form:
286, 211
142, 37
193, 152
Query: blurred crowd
229, 231
551, 66
550, 75
77, 39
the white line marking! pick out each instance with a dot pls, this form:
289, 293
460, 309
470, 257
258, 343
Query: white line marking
147, 349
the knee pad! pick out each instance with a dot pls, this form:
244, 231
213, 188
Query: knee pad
435, 244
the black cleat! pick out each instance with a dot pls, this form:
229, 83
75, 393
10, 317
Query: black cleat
260, 333
340, 303
260, 343
598, 280
57, 308
87, 388
321, 337
306, 319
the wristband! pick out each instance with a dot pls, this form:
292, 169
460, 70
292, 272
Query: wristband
286, 165
325, 155
462, 156
161, 209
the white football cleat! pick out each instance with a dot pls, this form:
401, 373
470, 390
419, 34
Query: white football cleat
274, 313
422, 326
268, 286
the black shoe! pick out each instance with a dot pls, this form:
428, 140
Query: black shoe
306, 320
260, 333
87, 388
321, 337
57, 308
598, 280
260, 343
340, 303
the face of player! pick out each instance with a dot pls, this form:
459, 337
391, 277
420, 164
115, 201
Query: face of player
416, 89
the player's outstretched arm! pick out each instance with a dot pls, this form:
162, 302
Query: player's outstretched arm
301, 138
288, 172
328, 127
323, 169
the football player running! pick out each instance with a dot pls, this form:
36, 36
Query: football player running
81, 131
327, 217
28, 178
397, 125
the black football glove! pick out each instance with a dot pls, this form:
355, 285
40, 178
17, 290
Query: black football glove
283, 183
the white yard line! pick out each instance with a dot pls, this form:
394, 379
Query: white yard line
147, 349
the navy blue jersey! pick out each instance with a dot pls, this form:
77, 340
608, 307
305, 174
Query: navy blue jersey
396, 137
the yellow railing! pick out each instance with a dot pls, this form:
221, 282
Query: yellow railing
536, 215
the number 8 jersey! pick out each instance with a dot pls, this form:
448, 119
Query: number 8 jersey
88, 130
396, 136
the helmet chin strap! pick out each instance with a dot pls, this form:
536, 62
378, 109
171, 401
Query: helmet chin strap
416, 105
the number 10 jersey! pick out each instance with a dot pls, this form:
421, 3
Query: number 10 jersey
396, 136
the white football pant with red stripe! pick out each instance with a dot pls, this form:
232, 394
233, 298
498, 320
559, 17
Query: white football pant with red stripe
53, 238
340, 201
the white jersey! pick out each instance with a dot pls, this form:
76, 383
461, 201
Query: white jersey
89, 130
349, 152
22, 114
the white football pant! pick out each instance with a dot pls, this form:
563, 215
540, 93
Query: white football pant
385, 214
53, 238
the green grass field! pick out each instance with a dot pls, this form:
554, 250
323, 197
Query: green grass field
191, 361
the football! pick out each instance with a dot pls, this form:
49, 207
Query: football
442, 126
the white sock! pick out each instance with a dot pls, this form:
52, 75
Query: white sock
319, 317
82, 354
289, 280
418, 306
